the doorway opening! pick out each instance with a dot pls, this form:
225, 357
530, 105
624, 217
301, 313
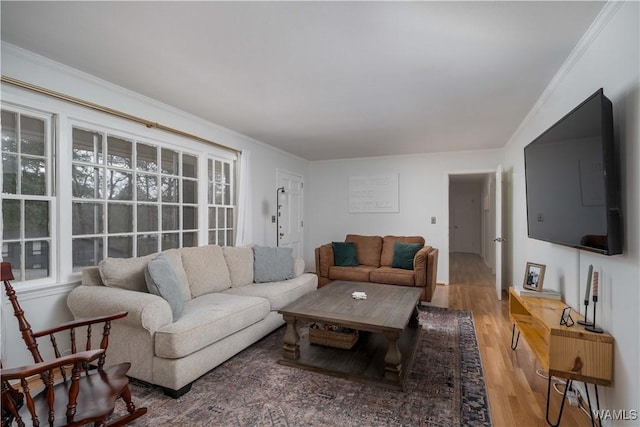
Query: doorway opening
474, 216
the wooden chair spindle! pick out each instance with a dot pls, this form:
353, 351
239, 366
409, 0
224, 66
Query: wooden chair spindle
88, 337
12, 399
51, 399
73, 393
89, 396
54, 344
72, 337
29, 401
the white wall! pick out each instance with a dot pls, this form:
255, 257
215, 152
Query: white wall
608, 57
47, 307
423, 193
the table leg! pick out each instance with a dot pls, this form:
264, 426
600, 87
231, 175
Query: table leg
290, 348
393, 358
595, 415
413, 320
513, 332
564, 398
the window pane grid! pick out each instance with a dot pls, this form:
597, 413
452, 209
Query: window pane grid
26, 200
135, 197
220, 201
26, 238
128, 197
24, 156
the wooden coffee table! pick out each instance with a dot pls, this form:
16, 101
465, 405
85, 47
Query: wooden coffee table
386, 312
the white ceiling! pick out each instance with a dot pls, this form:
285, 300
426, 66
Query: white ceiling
322, 80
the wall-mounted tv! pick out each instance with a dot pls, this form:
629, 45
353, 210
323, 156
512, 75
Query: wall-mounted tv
572, 179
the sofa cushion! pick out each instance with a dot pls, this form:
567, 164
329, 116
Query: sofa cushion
240, 263
125, 273
174, 258
404, 253
344, 254
206, 269
393, 276
388, 245
162, 281
206, 320
272, 264
368, 248
353, 274
280, 294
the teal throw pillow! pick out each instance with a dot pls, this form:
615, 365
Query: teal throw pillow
403, 254
344, 254
162, 280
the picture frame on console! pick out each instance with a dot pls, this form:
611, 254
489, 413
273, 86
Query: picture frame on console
534, 276
566, 318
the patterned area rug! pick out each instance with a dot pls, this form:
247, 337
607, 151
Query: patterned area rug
445, 387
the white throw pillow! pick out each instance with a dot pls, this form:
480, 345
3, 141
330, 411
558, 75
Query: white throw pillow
206, 269
240, 263
125, 273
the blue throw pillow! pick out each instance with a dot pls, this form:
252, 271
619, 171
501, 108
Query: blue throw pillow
162, 281
344, 254
272, 264
403, 254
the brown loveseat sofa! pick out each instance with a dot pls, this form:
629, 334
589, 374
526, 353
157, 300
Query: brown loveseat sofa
375, 256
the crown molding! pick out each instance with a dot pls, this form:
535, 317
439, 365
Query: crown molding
238, 141
592, 33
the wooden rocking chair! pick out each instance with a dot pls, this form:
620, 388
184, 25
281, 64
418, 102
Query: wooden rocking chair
86, 395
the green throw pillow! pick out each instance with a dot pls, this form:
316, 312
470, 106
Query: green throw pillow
344, 254
403, 254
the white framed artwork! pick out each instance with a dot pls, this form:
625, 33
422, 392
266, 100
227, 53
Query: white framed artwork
373, 194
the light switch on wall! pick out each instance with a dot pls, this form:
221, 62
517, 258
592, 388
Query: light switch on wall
433, 220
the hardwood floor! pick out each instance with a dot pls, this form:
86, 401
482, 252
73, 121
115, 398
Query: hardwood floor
517, 394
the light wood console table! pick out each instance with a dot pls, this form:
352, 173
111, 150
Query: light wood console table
572, 352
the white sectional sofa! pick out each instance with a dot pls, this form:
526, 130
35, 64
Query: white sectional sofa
222, 310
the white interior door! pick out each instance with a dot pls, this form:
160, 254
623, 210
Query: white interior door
290, 212
465, 222
499, 239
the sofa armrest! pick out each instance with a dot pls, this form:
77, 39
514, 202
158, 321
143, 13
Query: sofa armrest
298, 267
324, 260
425, 265
147, 311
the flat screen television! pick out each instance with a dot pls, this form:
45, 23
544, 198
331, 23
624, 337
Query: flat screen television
572, 181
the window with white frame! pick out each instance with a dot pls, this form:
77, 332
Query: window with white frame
27, 199
120, 194
129, 197
221, 201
